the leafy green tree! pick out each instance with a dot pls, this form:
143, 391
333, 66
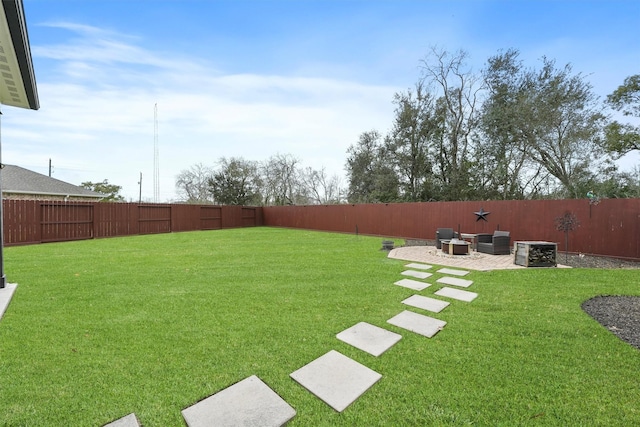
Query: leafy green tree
609, 183
409, 142
567, 124
371, 176
622, 138
507, 170
111, 191
549, 122
236, 182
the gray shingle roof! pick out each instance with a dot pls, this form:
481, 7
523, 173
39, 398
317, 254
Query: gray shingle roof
17, 180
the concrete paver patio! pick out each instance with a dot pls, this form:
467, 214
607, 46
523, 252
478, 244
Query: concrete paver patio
473, 261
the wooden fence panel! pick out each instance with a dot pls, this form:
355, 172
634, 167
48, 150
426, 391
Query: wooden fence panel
248, 217
154, 219
210, 217
185, 217
113, 219
21, 221
66, 221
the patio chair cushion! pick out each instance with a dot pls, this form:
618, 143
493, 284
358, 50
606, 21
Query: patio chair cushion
500, 243
444, 234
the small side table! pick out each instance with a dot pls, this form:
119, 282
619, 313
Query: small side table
473, 238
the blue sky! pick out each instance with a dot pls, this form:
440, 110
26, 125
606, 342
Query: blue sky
256, 78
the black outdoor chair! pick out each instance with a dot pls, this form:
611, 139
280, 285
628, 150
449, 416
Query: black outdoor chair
444, 234
497, 244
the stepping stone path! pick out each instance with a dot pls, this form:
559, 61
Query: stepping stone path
249, 402
128, 421
419, 266
455, 281
369, 338
412, 284
418, 323
426, 303
336, 379
453, 272
416, 274
456, 294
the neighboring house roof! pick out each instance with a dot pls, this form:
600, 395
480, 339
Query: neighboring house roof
17, 180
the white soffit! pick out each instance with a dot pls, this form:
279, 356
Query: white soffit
16, 82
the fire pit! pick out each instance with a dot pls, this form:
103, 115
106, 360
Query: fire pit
455, 247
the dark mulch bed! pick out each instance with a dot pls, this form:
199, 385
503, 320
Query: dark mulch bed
619, 314
589, 261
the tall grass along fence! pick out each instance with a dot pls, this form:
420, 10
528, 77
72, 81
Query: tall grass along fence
34, 221
610, 227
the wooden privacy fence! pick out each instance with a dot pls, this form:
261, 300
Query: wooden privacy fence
34, 221
610, 228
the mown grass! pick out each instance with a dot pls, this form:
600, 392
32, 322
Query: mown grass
152, 324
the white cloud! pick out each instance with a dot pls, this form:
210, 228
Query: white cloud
97, 111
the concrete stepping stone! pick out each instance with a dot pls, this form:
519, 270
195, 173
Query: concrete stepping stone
5, 296
458, 294
419, 266
412, 284
418, 323
453, 271
463, 283
426, 303
249, 402
416, 274
336, 379
369, 338
128, 421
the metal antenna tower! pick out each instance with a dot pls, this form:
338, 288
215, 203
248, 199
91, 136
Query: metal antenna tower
156, 160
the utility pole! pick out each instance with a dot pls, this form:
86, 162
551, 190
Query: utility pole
49, 168
156, 155
140, 183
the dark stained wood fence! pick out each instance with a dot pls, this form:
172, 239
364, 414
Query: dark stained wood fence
33, 221
610, 228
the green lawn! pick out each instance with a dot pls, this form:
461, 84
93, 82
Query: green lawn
152, 324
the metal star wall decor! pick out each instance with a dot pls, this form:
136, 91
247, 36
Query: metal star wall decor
481, 214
